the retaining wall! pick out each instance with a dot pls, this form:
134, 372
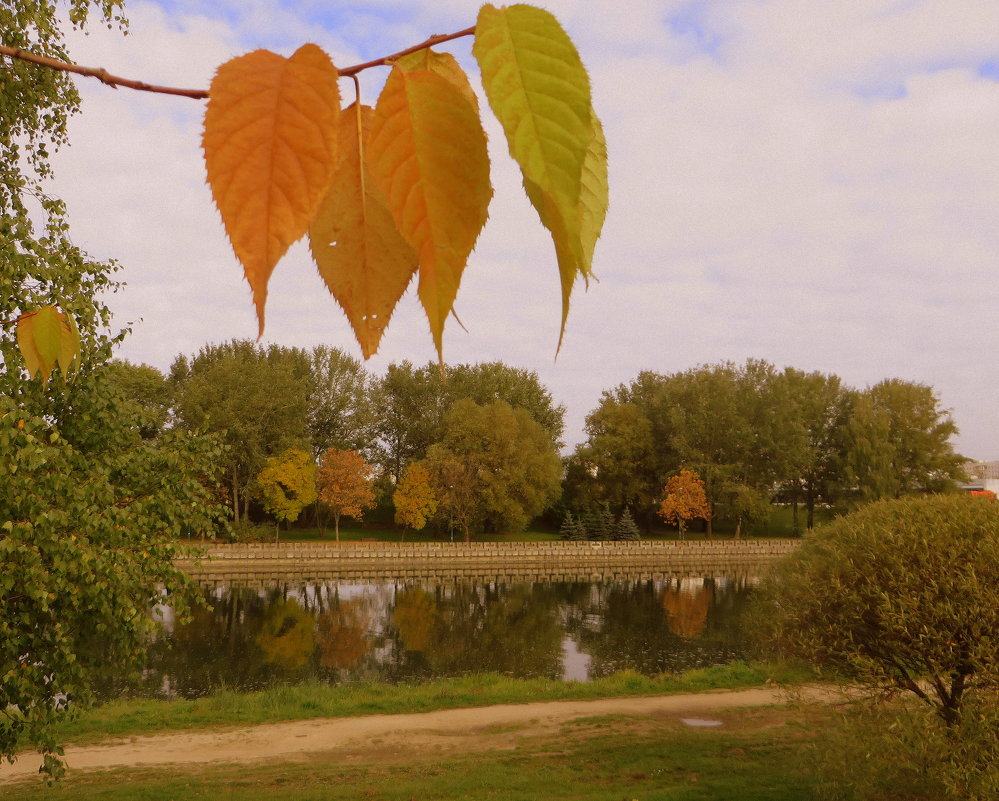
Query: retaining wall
250, 563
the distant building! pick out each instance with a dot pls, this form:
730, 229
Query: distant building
982, 476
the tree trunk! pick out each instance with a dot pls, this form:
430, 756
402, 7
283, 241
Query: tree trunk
810, 520
235, 497
795, 525
336, 525
709, 530
738, 528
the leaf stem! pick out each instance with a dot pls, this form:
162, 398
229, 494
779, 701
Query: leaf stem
114, 81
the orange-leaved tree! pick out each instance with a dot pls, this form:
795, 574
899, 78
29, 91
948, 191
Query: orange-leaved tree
375, 188
344, 483
414, 499
684, 499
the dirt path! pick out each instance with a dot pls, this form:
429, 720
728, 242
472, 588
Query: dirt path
478, 727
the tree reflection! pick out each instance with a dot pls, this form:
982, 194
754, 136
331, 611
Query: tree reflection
686, 606
252, 638
341, 635
460, 629
287, 636
640, 626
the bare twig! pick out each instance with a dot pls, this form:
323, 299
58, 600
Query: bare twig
114, 81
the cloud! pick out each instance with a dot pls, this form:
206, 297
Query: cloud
811, 184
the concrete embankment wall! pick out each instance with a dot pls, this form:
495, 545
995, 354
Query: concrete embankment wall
492, 561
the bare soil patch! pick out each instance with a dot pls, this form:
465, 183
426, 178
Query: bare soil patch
411, 736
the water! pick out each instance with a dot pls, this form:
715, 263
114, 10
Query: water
391, 631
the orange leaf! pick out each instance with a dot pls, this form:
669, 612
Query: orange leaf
270, 145
360, 253
428, 157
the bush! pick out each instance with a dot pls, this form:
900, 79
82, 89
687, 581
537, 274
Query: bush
245, 531
894, 751
902, 597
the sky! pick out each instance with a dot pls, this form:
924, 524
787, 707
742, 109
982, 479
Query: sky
815, 184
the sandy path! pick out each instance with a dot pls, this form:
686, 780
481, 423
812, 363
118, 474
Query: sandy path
293, 739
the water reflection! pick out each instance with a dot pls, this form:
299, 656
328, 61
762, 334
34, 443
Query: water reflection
394, 631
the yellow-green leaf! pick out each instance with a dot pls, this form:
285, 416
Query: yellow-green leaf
360, 253
47, 338
593, 195
270, 144
539, 90
428, 157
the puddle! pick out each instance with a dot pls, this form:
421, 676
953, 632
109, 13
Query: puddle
700, 722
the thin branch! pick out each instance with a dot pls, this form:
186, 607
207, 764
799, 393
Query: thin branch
114, 81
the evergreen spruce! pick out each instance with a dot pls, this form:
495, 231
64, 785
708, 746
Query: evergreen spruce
626, 530
568, 528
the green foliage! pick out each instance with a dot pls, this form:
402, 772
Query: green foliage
899, 442
900, 595
494, 469
888, 751
245, 531
287, 484
750, 429
87, 532
412, 403
89, 510
145, 391
255, 398
340, 412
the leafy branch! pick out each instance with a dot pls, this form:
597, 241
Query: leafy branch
387, 193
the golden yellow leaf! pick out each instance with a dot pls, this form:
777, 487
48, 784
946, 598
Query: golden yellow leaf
270, 144
428, 157
445, 65
47, 338
360, 253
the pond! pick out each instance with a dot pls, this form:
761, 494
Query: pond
387, 630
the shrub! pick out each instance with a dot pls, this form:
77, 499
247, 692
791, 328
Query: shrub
901, 597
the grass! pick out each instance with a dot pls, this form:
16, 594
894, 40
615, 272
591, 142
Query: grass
126, 718
754, 758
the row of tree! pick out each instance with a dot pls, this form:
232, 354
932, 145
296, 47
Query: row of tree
755, 434
475, 447
483, 438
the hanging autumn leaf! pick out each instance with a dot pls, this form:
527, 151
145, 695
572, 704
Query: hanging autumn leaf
539, 90
270, 142
428, 157
47, 338
594, 192
360, 253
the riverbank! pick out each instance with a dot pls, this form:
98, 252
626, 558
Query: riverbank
457, 729
502, 561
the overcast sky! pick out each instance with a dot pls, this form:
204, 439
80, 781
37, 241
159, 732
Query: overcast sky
811, 183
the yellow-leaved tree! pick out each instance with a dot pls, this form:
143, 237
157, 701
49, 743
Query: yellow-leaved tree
684, 499
388, 192
414, 499
286, 485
